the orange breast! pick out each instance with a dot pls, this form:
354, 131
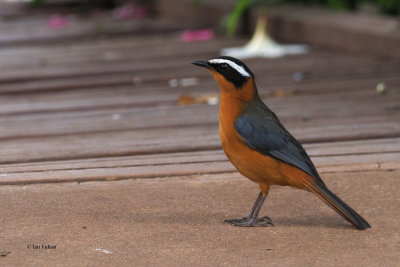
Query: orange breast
257, 167
250, 163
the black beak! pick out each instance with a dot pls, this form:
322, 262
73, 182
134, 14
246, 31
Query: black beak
203, 64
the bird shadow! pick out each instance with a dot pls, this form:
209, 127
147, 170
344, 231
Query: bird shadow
189, 218
324, 222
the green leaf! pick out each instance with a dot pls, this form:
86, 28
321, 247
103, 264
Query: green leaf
234, 16
338, 4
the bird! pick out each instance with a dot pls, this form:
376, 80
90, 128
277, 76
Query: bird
260, 147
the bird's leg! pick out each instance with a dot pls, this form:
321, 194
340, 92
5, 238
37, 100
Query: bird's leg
250, 215
251, 219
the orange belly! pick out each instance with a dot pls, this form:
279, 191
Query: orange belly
257, 167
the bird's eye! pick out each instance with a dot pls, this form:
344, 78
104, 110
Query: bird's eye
223, 66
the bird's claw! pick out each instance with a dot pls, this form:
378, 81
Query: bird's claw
242, 220
251, 222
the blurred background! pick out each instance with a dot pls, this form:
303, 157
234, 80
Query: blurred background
99, 79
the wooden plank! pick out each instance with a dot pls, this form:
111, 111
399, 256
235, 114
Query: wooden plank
73, 77
151, 74
125, 46
86, 70
138, 85
109, 144
102, 174
149, 80
174, 52
143, 79
357, 147
310, 64
120, 50
123, 49
157, 171
325, 154
349, 129
362, 167
57, 116
35, 31
162, 140
137, 95
176, 65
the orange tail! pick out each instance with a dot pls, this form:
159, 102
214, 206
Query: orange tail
337, 204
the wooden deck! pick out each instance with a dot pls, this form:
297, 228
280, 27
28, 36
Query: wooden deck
108, 109
84, 104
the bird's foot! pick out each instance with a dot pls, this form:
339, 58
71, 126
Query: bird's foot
242, 220
251, 222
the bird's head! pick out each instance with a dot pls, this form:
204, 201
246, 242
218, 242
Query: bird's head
233, 76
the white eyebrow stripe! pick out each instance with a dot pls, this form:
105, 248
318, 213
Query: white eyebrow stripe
238, 68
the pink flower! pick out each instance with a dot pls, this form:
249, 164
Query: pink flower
197, 35
57, 22
140, 12
128, 12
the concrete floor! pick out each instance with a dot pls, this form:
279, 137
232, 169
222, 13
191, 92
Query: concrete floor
179, 221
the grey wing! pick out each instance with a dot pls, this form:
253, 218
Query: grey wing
267, 136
